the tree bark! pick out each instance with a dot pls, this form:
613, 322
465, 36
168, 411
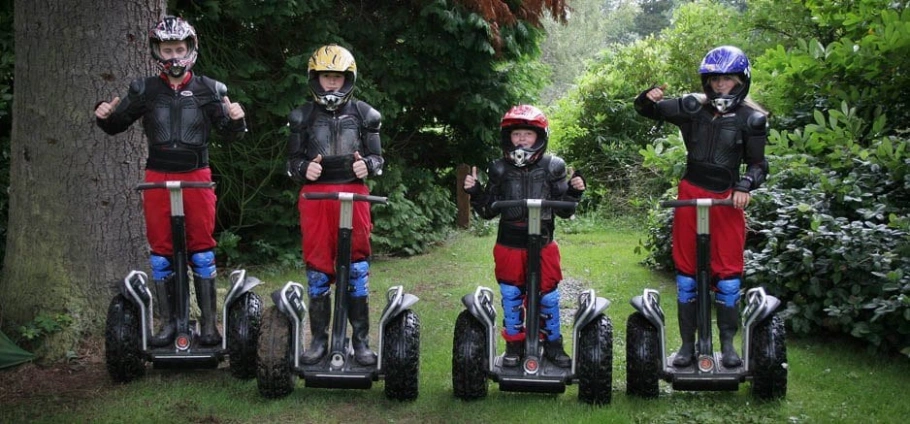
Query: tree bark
75, 221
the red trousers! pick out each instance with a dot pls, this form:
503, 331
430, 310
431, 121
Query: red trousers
512, 266
728, 234
319, 226
198, 206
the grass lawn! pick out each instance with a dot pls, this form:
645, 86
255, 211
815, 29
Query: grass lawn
829, 380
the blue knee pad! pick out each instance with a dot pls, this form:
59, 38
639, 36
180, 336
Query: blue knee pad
728, 291
161, 267
512, 309
318, 282
360, 279
204, 264
685, 289
549, 313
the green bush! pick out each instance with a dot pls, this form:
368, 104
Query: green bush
419, 213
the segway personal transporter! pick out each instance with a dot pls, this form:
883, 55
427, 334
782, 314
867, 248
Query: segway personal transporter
474, 357
130, 314
282, 334
764, 360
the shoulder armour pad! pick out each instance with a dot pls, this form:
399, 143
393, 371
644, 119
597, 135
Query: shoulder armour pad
557, 166
300, 114
757, 121
496, 168
372, 119
690, 103
138, 86
217, 87
220, 88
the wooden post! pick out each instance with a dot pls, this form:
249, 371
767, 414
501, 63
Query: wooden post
463, 220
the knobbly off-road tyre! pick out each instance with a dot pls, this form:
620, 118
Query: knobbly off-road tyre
768, 357
594, 366
643, 361
470, 360
123, 340
274, 376
401, 356
244, 322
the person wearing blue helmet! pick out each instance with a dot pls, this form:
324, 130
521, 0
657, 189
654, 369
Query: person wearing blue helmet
725, 133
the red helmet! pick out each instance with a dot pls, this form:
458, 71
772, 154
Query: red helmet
524, 117
171, 28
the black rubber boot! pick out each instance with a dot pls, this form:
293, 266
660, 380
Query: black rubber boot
164, 299
514, 352
688, 323
359, 316
557, 354
319, 313
206, 297
727, 323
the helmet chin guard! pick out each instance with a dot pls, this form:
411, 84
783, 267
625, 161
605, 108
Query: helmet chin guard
331, 101
724, 103
521, 157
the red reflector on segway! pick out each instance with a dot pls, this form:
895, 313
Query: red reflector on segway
531, 365
182, 342
705, 363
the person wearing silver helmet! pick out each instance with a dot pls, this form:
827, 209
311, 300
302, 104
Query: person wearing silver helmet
178, 110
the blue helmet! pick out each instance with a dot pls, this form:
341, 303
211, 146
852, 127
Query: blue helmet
726, 60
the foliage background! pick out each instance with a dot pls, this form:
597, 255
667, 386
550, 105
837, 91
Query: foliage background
432, 68
828, 232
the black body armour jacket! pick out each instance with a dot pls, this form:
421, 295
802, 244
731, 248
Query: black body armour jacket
177, 123
336, 135
717, 144
546, 179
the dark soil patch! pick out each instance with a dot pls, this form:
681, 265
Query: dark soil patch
69, 381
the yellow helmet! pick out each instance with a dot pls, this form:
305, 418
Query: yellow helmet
332, 58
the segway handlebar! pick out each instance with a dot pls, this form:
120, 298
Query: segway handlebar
339, 196
175, 184
527, 203
696, 202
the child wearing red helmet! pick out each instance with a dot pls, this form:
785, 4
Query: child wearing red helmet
526, 172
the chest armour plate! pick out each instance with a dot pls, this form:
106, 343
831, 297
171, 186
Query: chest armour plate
177, 117
334, 136
531, 182
716, 141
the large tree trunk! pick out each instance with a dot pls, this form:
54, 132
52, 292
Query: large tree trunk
75, 221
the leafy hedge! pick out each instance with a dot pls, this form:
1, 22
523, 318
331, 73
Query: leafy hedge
833, 230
